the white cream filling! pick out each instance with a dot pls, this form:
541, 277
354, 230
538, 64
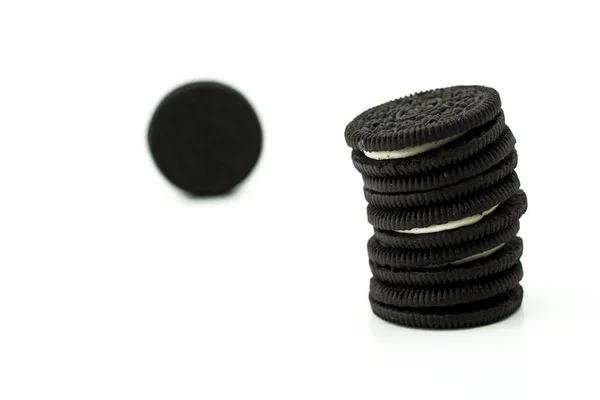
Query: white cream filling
477, 256
471, 257
449, 225
410, 151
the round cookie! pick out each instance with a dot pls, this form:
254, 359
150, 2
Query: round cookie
205, 138
462, 316
423, 118
507, 214
447, 193
471, 206
507, 256
434, 258
450, 153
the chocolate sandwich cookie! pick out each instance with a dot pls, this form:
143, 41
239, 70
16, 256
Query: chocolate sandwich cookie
468, 315
205, 138
434, 258
444, 194
501, 260
488, 157
465, 146
505, 215
445, 296
462, 212
423, 118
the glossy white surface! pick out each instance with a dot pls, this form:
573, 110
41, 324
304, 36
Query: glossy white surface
115, 286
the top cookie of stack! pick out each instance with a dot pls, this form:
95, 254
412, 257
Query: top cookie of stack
438, 170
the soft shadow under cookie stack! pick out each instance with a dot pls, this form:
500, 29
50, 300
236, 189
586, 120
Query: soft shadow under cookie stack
444, 201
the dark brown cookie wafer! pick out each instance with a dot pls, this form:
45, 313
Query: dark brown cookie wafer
205, 138
423, 118
463, 147
434, 258
445, 296
507, 213
444, 194
478, 203
468, 315
495, 263
472, 166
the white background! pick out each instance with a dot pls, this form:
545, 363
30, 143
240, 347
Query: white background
113, 285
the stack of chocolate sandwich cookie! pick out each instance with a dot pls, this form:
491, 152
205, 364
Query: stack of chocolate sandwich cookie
445, 202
